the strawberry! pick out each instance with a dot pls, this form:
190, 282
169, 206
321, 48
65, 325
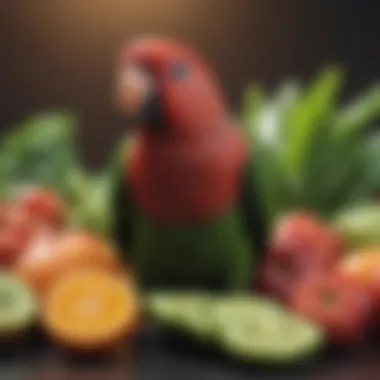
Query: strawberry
44, 205
301, 247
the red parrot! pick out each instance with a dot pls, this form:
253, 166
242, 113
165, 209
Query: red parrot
184, 199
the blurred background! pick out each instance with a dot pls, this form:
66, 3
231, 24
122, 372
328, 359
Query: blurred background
62, 53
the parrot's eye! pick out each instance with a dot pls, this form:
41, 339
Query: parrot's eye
179, 70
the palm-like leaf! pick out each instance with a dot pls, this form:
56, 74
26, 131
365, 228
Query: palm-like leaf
309, 151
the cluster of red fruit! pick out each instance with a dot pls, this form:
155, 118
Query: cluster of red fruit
34, 210
49, 266
302, 269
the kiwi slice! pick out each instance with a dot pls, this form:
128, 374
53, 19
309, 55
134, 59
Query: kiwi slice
256, 329
187, 313
18, 306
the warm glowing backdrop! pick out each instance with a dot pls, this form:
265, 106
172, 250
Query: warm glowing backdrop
62, 52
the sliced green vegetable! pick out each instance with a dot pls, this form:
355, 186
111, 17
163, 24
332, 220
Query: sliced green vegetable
359, 225
258, 330
187, 313
249, 328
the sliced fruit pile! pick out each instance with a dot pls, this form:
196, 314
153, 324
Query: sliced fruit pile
49, 258
308, 268
67, 280
59, 271
249, 328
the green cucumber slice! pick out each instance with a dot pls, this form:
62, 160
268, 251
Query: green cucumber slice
18, 305
255, 329
188, 313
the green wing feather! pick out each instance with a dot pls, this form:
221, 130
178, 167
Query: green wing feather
122, 210
251, 207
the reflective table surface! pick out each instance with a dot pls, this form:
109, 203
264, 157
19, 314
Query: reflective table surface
156, 356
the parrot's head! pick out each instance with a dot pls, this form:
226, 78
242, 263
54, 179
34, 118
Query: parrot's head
165, 88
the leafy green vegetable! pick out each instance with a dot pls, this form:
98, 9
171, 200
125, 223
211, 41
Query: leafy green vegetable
245, 327
311, 152
40, 150
252, 103
275, 191
187, 313
265, 124
312, 111
359, 113
90, 208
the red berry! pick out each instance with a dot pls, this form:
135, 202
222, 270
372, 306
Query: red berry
341, 307
301, 247
8, 250
44, 205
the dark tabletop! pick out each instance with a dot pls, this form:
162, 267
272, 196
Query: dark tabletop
157, 357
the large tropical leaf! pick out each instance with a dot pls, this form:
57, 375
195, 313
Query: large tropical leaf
369, 183
312, 112
309, 152
359, 113
265, 124
253, 99
333, 167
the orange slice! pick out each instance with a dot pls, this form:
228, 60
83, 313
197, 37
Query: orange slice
50, 257
363, 266
91, 309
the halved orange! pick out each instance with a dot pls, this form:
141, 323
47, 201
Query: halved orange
91, 309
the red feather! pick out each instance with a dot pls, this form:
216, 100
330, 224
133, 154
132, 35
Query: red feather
191, 169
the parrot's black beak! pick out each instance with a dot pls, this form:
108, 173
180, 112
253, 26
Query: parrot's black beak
138, 98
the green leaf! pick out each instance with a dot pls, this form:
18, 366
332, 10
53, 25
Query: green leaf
359, 114
310, 153
370, 181
90, 209
332, 167
313, 111
275, 193
268, 140
364, 180
39, 150
253, 99
287, 96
